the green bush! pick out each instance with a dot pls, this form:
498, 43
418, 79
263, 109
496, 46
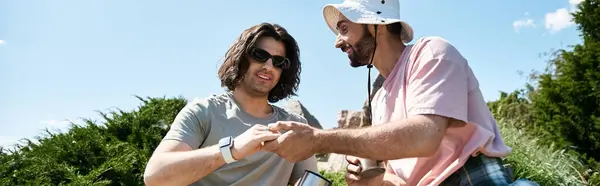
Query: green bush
565, 105
114, 152
565, 102
514, 107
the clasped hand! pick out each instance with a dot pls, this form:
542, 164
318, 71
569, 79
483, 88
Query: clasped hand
296, 144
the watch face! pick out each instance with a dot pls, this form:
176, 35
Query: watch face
224, 142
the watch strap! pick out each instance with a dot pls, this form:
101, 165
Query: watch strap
225, 145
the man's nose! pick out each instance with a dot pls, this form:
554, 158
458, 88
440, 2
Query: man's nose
339, 42
268, 65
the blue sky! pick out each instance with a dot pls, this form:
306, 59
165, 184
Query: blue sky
65, 59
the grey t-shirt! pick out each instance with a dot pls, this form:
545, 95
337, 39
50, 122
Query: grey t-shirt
203, 122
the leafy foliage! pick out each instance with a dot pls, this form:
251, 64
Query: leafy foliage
114, 153
336, 178
566, 103
514, 106
588, 19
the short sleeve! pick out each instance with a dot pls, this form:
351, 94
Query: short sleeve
437, 83
190, 124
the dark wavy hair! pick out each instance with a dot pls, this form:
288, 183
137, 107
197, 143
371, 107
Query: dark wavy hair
235, 63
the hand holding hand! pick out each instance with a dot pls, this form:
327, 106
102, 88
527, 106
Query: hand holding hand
251, 141
297, 144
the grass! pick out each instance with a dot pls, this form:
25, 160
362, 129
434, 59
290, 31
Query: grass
542, 164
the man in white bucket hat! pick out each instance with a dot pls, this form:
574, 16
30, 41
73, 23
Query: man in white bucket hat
431, 125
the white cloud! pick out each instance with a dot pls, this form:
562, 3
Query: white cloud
523, 23
561, 18
2, 42
558, 20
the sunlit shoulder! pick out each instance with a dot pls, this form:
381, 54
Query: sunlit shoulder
438, 47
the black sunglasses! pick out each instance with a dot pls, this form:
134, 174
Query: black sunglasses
262, 56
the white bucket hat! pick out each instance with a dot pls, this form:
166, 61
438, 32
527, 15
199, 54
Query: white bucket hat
381, 12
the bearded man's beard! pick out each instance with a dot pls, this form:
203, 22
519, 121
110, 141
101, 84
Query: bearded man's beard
363, 50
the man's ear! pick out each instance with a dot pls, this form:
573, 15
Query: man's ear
371, 29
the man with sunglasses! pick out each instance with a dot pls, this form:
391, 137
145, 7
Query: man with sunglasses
431, 125
218, 140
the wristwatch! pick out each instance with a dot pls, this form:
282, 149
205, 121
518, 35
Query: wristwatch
225, 145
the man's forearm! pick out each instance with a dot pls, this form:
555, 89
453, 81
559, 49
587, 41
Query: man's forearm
182, 168
414, 137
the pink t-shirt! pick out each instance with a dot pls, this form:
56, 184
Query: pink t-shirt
432, 77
